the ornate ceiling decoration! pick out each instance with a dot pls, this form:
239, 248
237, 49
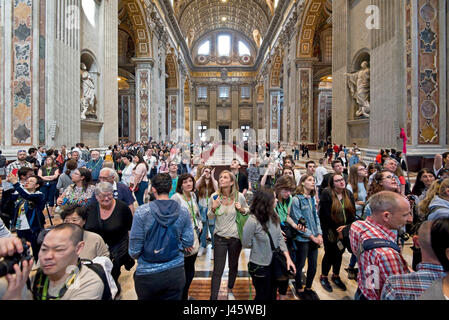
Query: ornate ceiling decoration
198, 17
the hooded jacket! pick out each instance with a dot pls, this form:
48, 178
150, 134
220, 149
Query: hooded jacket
169, 212
438, 208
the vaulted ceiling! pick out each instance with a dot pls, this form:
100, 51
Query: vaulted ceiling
198, 17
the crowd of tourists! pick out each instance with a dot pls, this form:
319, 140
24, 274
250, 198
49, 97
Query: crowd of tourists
160, 207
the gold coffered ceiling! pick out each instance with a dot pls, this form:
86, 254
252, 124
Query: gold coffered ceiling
201, 16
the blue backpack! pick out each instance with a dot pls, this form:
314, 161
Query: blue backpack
161, 242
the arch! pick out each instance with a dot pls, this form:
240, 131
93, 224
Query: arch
89, 59
171, 70
359, 57
306, 32
140, 29
126, 74
275, 77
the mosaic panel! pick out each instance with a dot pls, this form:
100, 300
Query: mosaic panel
304, 103
429, 73
173, 103
144, 88
408, 64
21, 87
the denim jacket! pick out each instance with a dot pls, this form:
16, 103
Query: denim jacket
301, 209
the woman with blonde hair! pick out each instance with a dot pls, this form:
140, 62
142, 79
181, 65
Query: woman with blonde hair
436, 203
224, 206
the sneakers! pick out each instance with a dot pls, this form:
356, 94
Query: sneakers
201, 251
230, 295
324, 281
212, 254
338, 283
310, 295
352, 273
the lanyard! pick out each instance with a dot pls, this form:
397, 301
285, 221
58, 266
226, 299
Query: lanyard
98, 161
64, 289
48, 171
344, 212
191, 209
221, 198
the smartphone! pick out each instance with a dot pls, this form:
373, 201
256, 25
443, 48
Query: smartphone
14, 172
215, 197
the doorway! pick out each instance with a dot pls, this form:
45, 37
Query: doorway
222, 130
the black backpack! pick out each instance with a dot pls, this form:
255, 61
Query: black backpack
98, 268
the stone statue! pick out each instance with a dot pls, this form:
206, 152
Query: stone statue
256, 36
359, 86
87, 94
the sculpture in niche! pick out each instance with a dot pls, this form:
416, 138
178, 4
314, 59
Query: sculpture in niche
88, 108
256, 36
359, 86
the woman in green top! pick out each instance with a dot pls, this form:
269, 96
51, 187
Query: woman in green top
284, 187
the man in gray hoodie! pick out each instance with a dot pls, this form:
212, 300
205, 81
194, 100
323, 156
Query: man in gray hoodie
160, 232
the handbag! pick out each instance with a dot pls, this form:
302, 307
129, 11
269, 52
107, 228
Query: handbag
240, 219
281, 273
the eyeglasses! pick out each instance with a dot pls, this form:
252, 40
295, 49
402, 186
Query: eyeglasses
388, 177
104, 178
106, 196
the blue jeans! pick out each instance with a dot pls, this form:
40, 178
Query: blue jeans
207, 225
49, 191
353, 261
143, 185
203, 236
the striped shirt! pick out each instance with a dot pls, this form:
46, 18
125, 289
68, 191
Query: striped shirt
378, 264
411, 286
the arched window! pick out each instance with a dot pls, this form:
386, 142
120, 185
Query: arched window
204, 49
243, 49
224, 45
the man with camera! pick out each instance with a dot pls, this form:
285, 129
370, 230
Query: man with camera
61, 275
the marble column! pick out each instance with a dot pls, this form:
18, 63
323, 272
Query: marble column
235, 97
63, 73
275, 114
324, 110
212, 107
132, 110
173, 112
143, 98
305, 99
110, 73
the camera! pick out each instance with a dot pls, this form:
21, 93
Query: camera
302, 222
7, 263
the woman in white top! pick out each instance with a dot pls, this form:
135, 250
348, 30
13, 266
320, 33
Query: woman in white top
223, 206
127, 172
185, 196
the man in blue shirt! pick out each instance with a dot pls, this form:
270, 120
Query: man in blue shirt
95, 165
